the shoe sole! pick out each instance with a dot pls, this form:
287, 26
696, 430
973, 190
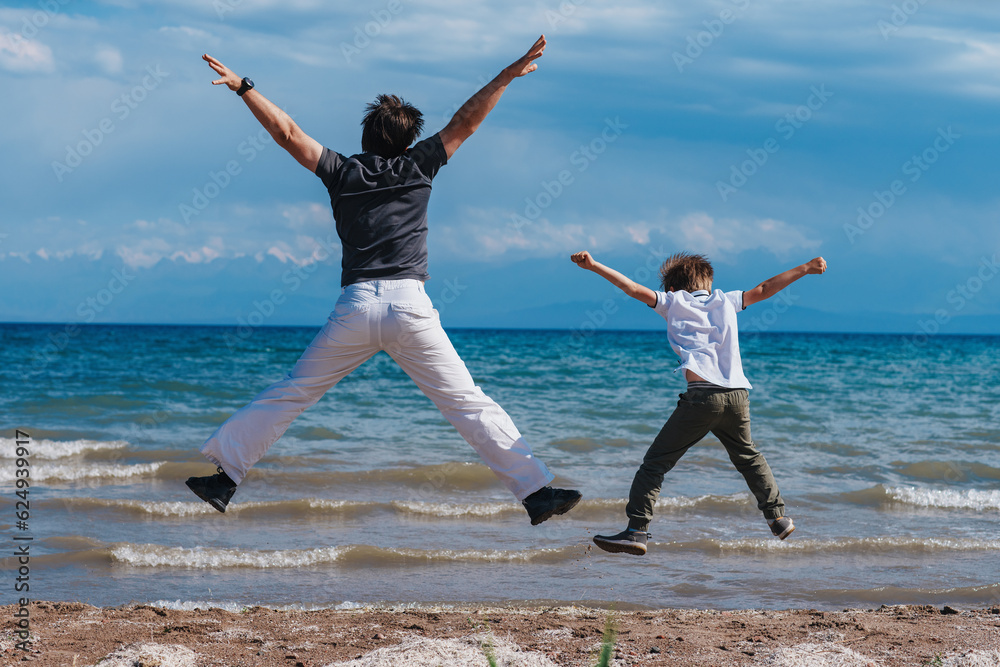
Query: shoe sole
214, 502
634, 548
562, 509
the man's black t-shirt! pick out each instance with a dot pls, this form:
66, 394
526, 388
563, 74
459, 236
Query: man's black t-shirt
380, 207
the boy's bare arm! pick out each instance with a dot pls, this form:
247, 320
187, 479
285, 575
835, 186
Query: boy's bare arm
471, 114
624, 283
282, 128
772, 286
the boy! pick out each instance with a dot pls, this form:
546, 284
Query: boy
701, 328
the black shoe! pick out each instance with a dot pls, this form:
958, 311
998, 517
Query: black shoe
626, 542
546, 502
216, 490
781, 527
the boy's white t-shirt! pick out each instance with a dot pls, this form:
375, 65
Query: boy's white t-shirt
702, 330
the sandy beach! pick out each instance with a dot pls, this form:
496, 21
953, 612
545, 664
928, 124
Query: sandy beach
77, 635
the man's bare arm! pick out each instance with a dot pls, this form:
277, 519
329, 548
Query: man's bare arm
279, 124
772, 286
471, 114
619, 280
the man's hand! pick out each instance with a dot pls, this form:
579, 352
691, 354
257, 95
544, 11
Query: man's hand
229, 77
306, 150
525, 64
471, 114
817, 265
583, 260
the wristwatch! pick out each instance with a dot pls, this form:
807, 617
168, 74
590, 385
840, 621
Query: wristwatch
247, 85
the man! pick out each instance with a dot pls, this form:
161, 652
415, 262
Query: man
379, 200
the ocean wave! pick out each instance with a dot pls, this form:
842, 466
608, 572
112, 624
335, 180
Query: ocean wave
318, 506
74, 472
428, 479
154, 555
347, 605
455, 510
594, 509
971, 595
911, 496
951, 471
863, 546
56, 449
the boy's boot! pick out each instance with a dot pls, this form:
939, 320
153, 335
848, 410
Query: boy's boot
627, 542
781, 527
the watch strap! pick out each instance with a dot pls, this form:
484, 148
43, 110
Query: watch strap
246, 85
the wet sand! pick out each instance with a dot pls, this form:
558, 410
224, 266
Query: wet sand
76, 634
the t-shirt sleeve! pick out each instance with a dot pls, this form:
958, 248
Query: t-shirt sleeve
329, 167
429, 155
662, 303
736, 298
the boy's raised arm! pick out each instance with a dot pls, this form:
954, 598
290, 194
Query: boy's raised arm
772, 286
624, 283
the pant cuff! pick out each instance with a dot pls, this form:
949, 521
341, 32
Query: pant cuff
639, 524
771, 515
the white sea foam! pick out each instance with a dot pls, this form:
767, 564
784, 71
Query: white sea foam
323, 504
153, 555
675, 502
162, 508
862, 545
78, 471
347, 605
58, 449
945, 498
446, 509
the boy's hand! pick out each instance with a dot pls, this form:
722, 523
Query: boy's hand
817, 265
583, 260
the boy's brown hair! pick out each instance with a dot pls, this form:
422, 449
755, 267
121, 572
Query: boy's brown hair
686, 271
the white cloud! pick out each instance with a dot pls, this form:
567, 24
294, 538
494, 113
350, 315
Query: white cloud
187, 33
725, 238
490, 235
143, 254
109, 59
18, 54
311, 215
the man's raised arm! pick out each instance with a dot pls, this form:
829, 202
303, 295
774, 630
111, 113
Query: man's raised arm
279, 124
468, 118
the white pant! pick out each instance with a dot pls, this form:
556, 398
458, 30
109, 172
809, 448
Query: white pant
396, 316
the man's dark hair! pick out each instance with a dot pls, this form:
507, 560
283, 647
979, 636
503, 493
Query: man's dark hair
688, 272
390, 126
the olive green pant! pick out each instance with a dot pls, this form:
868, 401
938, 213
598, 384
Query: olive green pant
700, 411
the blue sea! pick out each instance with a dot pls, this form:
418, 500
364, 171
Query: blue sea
885, 448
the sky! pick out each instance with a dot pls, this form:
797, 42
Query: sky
761, 133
